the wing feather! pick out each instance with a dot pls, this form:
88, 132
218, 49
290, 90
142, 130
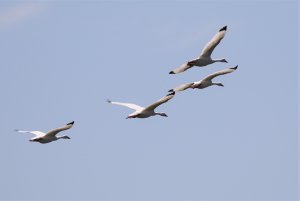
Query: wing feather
182, 87
57, 130
160, 101
210, 46
36, 133
221, 72
181, 68
129, 105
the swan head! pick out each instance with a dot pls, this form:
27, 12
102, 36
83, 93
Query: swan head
223, 60
219, 84
163, 114
64, 137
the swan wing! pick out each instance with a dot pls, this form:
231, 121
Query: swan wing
129, 105
210, 46
57, 130
181, 68
160, 101
221, 72
182, 87
36, 133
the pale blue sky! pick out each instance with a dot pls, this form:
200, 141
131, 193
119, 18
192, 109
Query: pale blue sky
60, 61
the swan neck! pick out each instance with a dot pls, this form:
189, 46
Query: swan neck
219, 60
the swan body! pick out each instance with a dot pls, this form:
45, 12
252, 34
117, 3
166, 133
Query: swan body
50, 136
145, 112
205, 82
205, 57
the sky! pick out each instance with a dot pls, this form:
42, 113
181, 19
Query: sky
61, 60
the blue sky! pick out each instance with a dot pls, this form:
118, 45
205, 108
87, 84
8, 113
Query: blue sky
60, 61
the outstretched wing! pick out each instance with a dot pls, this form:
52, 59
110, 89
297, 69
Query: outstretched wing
129, 105
36, 133
210, 46
221, 72
160, 101
57, 130
181, 68
182, 87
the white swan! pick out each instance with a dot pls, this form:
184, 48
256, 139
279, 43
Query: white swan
205, 56
205, 82
50, 136
141, 112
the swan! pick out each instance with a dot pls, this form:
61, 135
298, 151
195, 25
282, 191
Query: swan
205, 82
145, 112
50, 136
204, 58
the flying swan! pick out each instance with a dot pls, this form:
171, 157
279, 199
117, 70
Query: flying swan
205, 82
50, 136
205, 56
141, 112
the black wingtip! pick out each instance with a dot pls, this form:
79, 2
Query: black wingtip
107, 100
171, 94
234, 68
71, 123
171, 72
171, 90
223, 28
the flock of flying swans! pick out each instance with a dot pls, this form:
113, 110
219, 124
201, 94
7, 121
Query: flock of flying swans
145, 112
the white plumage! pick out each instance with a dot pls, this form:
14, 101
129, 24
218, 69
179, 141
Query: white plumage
145, 112
50, 136
205, 56
205, 82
